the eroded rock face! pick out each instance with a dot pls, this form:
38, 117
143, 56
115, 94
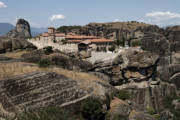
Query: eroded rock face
9, 44
140, 116
156, 43
129, 65
118, 107
42, 89
22, 30
173, 34
144, 95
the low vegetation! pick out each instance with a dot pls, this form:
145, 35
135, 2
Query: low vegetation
91, 109
120, 117
44, 63
123, 95
66, 29
48, 50
168, 105
112, 48
151, 111
136, 43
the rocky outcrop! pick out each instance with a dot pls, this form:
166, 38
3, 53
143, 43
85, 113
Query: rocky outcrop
134, 115
9, 44
145, 95
118, 108
42, 89
22, 30
173, 35
59, 59
129, 65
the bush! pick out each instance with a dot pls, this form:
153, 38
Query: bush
120, 117
64, 41
44, 63
91, 109
112, 48
48, 50
123, 95
168, 105
151, 111
50, 113
119, 43
136, 43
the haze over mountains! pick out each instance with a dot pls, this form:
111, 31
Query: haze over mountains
6, 27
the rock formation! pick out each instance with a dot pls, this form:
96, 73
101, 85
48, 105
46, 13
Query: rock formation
11, 44
22, 30
15, 39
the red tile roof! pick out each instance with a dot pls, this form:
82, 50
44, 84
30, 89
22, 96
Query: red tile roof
102, 40
74, 41
45, 35
79, 37
60, 35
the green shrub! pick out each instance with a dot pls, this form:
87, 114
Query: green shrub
120, 117
136, 43
112, 48
48, 50
168, 105
91, 109
64, 41
50, 113
157, 116
44, 63
151, 111
119, 42
122, 94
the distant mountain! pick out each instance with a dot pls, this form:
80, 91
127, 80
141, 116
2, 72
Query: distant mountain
6, 27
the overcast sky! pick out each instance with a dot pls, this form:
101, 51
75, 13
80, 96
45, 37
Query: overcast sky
44, 13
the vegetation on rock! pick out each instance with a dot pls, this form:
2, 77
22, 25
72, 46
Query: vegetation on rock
91, 109
44, 63
66, 29
48, 50
123, 95
168, 105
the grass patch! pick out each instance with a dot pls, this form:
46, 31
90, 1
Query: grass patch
15, 54
123, 95
136, 43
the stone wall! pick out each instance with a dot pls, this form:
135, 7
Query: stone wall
62, 47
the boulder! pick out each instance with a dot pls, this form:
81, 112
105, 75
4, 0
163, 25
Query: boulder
176, 58
118, 108
156, 43
166, 115
144, 95
9, 44
22, 30
134, 115
176, 104
166, 72
173, 35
